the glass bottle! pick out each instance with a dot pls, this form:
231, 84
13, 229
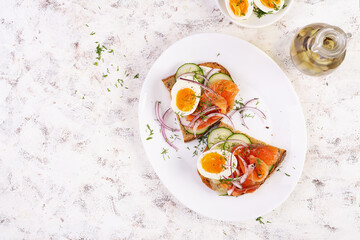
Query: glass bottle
318, 49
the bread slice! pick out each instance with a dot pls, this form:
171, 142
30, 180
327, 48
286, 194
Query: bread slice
169, 83
216, 185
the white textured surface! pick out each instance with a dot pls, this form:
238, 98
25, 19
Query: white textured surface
73, 168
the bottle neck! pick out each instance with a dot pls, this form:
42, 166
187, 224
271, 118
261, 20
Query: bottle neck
330, 42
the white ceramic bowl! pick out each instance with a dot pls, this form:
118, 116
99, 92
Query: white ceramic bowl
253, 21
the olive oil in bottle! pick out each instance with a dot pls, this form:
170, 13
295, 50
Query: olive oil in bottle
318, 49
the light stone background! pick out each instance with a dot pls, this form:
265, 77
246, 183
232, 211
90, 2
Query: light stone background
71, 161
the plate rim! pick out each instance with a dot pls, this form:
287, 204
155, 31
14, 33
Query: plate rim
303, 126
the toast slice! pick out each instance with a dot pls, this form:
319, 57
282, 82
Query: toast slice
169, 83
216, 184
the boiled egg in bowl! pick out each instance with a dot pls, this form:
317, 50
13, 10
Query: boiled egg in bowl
239, 9
269, 5
185, 97
215, 164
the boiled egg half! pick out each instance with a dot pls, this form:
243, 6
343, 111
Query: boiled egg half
215, 164
269, 5
239, 9
185, 97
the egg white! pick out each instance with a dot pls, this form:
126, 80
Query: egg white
226, 171
246, 16
267, 9
180, 84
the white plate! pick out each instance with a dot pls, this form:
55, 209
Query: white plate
253, 21
257, 75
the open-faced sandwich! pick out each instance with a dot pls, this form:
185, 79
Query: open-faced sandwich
234, 163
201, 95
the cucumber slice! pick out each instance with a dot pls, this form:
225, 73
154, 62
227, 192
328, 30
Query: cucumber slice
219, 76
217, 135
190, 67
271, 167
198, 131
238, 136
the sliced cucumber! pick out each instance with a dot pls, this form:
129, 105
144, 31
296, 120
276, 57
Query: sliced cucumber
188, 68
219, 76
217, 135
198, 131
271, 167
238, 136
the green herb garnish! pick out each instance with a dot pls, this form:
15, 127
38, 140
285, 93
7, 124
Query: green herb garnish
165, 153
92, 33
260, 13
136, 76
151, 132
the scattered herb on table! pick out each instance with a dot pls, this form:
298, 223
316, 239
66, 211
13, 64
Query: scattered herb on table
136, 76
92, 33
99, 50
259, 220
108, 89
218, 54
75, 91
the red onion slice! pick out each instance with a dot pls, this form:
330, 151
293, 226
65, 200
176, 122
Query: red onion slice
257, 111
201, 85
231, 190
184, 122
251, 100
237, 185
235, 170
229, 140
211, 72
197, 124
246, 167
221, 115
246, 174
160, 119
166, 139
191, 74
201, 114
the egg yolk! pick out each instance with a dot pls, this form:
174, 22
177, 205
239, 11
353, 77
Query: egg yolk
213, 162
239, 7
185, 99
271, 3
